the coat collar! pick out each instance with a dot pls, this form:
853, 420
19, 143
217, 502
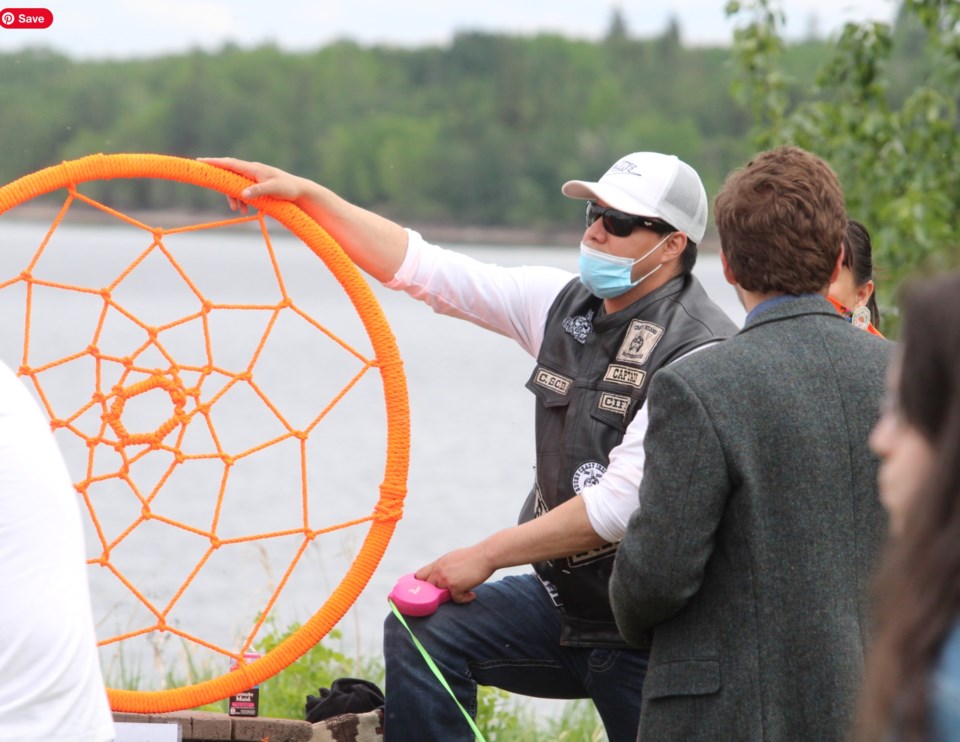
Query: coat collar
795, 306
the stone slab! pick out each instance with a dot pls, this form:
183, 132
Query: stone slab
202, 726
256, 729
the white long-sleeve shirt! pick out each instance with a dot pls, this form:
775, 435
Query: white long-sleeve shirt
515, 302
51, 687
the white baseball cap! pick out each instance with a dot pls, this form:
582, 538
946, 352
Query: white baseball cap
654, 185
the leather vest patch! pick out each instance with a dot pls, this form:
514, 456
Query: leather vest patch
615, 403
625, 375
588, 557
587, 475
554, 382
639, 341
579, 327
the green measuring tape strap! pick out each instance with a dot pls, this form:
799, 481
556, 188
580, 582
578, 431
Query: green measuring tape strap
436, 671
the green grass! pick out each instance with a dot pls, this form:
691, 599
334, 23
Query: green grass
501, 716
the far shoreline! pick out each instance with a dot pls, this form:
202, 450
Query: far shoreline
443, 234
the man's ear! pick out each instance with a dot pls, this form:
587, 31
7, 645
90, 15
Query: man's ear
727, 270
674, 246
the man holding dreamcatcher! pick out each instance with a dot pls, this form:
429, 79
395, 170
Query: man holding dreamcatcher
597, 339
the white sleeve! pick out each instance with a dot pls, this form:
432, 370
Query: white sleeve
611, 501
510, 301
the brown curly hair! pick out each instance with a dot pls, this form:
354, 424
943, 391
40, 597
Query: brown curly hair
782, 219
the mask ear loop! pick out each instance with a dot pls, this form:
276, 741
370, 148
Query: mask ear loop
646, 255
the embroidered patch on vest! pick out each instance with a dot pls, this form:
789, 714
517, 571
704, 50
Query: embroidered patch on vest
614, 403
552, 381
551, 591
639, 341
579, 327
540, 507
586, 557
587, 474
625, 375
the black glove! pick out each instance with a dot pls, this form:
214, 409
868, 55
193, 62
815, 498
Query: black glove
346, 696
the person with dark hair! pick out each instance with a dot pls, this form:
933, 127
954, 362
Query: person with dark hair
750, 570
912, 685
853, 292
597, 338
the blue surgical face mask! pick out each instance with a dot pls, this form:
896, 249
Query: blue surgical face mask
606, 276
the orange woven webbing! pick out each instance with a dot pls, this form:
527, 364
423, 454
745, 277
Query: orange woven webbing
189, 405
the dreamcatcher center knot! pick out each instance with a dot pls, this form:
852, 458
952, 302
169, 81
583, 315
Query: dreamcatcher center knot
171, 384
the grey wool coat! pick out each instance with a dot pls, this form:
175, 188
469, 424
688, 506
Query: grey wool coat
751, 555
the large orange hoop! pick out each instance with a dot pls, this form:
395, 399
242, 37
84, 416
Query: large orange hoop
387, 360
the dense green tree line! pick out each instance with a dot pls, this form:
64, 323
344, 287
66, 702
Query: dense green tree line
479, 132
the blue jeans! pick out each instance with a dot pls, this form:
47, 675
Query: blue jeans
508, 638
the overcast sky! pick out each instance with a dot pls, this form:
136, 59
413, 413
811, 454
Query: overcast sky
137, 28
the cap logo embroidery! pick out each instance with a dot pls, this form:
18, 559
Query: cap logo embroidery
624, 167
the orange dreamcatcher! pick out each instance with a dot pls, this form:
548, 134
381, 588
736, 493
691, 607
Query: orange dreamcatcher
151, 440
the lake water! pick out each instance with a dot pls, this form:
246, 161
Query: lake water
471, 454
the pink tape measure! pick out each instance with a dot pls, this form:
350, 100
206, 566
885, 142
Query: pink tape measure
415, 597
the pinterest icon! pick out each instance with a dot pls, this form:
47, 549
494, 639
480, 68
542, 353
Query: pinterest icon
26, 18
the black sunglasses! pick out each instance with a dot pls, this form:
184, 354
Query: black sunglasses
620, 224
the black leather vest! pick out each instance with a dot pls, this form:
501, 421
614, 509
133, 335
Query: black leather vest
591, 377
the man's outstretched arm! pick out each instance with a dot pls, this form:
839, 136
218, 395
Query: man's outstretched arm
376, 244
